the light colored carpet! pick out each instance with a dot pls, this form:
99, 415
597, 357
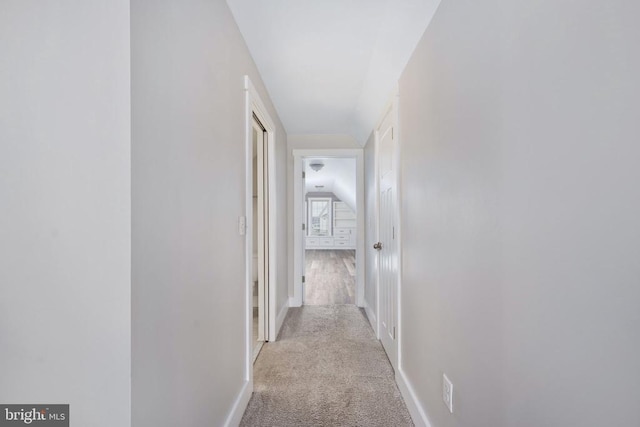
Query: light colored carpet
326, 369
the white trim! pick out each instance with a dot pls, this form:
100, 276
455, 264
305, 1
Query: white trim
360, 219
395, 102
417, 412
280, 318
239, 405
248, 230
371, 316
259, 107
376, 186
273, 215
298, 235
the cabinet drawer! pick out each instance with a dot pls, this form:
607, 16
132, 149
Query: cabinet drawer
342, 238
326, 241
312, 241
341, 231
343, 243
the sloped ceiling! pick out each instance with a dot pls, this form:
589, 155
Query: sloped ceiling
331, 65
338, 176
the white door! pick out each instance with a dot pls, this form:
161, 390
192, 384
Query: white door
263, 228
387, 245
304, 231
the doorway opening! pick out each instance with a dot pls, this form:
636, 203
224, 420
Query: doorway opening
329, 232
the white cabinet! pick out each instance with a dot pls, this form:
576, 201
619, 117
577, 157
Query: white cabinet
326, 242
344, 230
312, 242
343, 216
344, 238
344, 226
319, 242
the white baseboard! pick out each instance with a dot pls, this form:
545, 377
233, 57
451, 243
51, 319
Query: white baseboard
294, 302
373, 320
280, 319
418, 414
240, 405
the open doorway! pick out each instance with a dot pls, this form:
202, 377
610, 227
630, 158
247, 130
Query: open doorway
331, 231
328, 242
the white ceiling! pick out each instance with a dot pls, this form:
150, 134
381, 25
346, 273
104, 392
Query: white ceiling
331, 65
338, 176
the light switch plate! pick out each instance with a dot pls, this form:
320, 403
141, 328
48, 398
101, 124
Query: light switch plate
447, 392
242, 225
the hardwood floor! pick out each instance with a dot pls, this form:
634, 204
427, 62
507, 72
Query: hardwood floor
330, 277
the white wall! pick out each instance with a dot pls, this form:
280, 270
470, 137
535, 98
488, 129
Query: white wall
321, 141
519, 135
65, 216
188, 104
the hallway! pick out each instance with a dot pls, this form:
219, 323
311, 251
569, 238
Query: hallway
326, 369
494, 217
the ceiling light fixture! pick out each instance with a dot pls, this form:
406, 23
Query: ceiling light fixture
316, 165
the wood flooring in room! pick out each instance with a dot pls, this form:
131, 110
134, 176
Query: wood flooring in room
330, 277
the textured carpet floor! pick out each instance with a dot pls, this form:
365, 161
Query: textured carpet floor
326, 369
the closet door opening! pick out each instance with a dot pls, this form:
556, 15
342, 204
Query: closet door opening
260, 239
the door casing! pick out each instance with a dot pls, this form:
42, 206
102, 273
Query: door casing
255, 106
298, 218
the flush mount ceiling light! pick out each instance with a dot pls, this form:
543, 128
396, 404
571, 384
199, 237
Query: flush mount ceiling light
316, 165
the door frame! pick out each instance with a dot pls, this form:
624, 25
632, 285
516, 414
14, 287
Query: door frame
297, 215
254, 105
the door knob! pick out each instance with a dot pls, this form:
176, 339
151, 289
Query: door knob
377, 246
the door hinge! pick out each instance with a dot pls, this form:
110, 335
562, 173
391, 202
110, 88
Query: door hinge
304, 175
302, 279
393, 232
394, 332
304, 226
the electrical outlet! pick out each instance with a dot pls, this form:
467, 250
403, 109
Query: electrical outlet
447, 392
